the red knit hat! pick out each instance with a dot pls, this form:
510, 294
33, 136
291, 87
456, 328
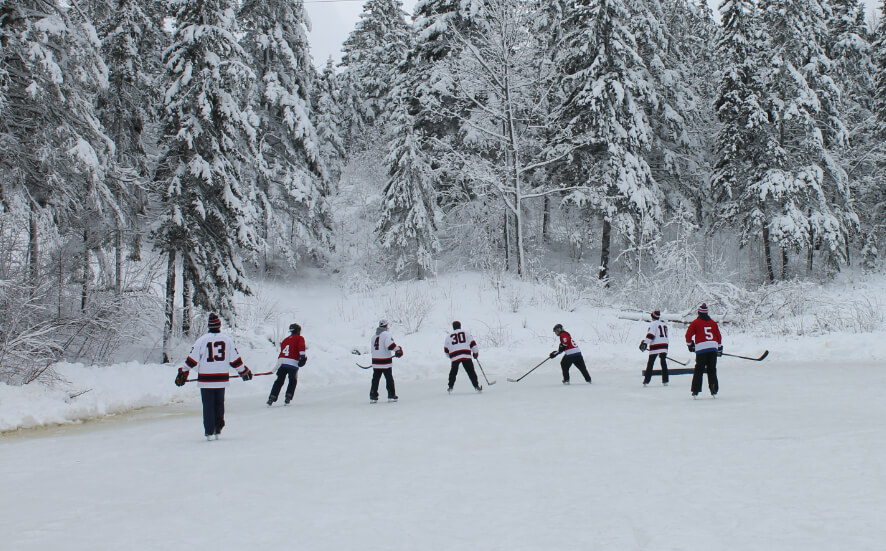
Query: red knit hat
703, 309
214, 321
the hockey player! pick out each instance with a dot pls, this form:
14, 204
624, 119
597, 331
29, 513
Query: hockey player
214, 354
571, 355
292, 356
459, 347
703, 338
656, 342
384, 349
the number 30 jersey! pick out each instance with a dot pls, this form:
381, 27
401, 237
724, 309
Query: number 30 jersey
214, 354
459, 345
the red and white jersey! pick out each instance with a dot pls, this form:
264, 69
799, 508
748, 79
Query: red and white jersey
292, 349
214, 354
657, 337
460, 345
705, 334
567, 345
383, 348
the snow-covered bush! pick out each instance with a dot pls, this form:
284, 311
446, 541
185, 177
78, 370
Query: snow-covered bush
408, 306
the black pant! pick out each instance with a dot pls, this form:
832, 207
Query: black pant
282, 373
577, 361
469, 369
388, 372
705, 362
647, 376
213, 410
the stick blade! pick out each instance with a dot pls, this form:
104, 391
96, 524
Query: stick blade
490, 383
512, 380
763, 357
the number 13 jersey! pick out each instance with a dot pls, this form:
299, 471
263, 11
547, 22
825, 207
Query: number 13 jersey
214, 354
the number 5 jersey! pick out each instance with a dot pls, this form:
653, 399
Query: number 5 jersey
214, 354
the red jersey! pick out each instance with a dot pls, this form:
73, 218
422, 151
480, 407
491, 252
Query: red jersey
567, 345
292, 349
705, 334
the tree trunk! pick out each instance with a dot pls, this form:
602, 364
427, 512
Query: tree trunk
169, 312
810, 255
546, 220
604, 251
767, 253
784, 263
33, 247
186, 302
118, 259
84, 284
507, 237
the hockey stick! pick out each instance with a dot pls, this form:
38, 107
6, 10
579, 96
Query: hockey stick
677, 361
254, 375
760, 359
488, 383
363, 366
528, 372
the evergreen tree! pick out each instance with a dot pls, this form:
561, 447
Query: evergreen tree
328, 120
208, 210
802, 197
289, 171
371, 56
53, 151
407, 227
132, 40
609, 91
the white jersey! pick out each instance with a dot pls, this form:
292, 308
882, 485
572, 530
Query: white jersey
657, 337
459, 345
383, 348
214, 354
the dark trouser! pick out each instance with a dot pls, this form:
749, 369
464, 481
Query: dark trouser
282, 373
577, 361
213, 410
705, 362
469, 369
388, 372
647, 376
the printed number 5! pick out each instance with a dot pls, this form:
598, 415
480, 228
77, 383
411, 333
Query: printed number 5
708, 334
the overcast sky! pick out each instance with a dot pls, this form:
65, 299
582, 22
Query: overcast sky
333, 20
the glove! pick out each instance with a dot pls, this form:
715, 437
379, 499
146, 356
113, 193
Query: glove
719, 351
476, 355
553, 354
690, 346
181, 378
398, 352
246, 375
643, 346
302, 361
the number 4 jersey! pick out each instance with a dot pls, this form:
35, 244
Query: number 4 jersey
214, 354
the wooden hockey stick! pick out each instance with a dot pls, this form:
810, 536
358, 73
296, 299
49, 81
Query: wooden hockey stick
488, 383
760, 359
238, 376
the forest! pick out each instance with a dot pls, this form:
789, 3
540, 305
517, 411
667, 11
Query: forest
158, 156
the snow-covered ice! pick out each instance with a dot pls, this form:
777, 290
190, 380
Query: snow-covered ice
790, 455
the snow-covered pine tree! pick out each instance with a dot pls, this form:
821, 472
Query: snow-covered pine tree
608, 91
209, 211
371, 56
802, 198
876, 201
408, 223
54, 150
328, 121
289, 172
132, 41
848, 46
